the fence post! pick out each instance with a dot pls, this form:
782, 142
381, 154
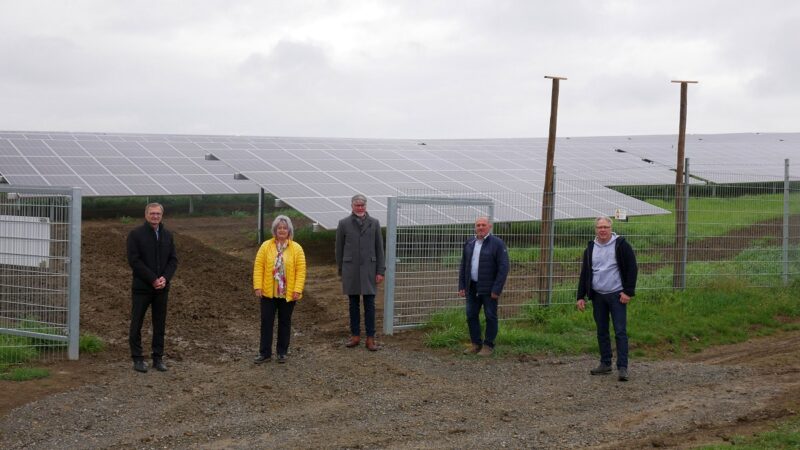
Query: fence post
786, 222
685, 248
547, 198
260, 236
681, 187
74, 321
391, 264
551, 246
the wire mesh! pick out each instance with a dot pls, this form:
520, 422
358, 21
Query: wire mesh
35, 279
740, 229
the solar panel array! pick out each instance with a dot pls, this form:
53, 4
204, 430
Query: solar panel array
721, 158
317, 176
115, 165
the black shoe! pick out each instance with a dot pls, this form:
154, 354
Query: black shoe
623, 374
140, 366
281, 359
261, 359
602, 369
159, 365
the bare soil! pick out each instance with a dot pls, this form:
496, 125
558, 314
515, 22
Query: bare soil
328, 396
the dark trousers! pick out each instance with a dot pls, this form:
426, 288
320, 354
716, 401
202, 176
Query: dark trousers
284, 309
139, 304
604, 305
355, 313
475, 302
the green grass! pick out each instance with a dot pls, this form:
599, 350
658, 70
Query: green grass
724, 311
240, 214
16, 349
307, 234
529, 254
24, 374
784, 436
19, 349
91, 344
707, 217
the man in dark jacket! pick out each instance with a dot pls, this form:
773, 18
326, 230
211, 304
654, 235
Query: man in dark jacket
482, 274
608, 279
151, 255
360, 261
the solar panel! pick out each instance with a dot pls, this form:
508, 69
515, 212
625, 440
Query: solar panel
318, 176
114, 165
721, 158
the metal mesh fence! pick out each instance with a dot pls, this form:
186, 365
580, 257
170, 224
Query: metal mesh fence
39, 274
738, 230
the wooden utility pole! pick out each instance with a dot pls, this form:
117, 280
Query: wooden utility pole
681, 238
548, 203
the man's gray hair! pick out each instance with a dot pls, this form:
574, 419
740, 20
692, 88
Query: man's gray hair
286, 221
604, 219
358, 198
154, 205
487, 218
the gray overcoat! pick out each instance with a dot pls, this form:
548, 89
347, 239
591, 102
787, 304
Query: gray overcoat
359, 255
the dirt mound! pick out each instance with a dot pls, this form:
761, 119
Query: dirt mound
212, 313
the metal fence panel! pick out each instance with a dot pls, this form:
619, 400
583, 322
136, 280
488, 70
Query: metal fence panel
39, 273
740, 231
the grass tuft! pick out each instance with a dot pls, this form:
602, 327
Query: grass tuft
24, 374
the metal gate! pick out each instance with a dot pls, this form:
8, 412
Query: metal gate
39, 273
424, 239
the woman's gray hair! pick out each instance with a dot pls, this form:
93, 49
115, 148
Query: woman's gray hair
287, 221
358, 198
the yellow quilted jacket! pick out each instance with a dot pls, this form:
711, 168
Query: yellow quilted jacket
294, 261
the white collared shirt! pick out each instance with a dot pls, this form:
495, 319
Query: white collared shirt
476, 256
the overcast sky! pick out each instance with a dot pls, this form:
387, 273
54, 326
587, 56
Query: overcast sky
398, 69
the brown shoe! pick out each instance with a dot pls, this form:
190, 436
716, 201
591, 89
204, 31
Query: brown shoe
353, 342
473, 350
486, 351
371, 344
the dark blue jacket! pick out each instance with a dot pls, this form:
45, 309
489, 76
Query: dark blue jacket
626, 263
492, 266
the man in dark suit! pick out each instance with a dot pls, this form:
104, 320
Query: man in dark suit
360, 261
151, 255
483, 271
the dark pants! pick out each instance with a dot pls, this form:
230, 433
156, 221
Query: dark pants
139, 304
284, 309
474, 303
369, 314
604, 305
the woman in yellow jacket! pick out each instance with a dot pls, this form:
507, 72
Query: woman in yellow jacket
279, 274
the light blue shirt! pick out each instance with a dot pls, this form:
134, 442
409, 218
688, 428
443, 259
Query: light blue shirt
476, 256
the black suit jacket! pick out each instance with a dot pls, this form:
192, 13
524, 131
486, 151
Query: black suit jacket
151, 258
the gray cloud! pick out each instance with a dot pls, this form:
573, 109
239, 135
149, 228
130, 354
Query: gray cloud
462, 68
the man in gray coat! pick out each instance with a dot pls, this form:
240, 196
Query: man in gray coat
359, 258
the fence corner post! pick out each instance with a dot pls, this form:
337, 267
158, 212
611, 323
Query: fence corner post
74, 321
391, 262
